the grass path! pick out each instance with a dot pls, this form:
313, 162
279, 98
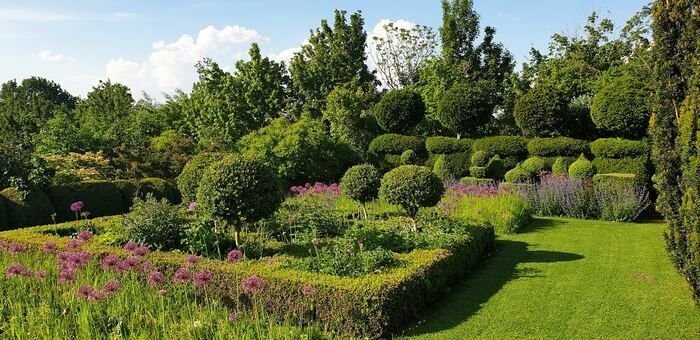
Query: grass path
564, 278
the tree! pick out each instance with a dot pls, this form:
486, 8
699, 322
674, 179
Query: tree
466, 108
348, 113
105, 113
543, 112
361, 183
620, 107
400, 110
400, 52
60, 135
332, 57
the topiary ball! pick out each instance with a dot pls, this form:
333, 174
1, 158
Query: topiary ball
411, 187
582, 168
409, 157
561, 167
238, 190
188, 180
495, 169
399, 111
480, 158
361, 183
534, 165
465, 108
478, 171
542, 112
518, 175
620, 108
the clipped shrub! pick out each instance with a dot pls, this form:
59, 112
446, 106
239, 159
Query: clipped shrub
518, 175
478, 171
619, 148
397, 144
535, 165
411, 187
511, 149
33, 209
582, 168
615, 180
496, 169
561, 166
159, 188
480, 158
188, 180
447, 145
361, 183
101, 198
465, 108
128, 191
542, 112
388, 161
557, 146
620, 107
409, 157
639, 166
399, 111
154, 223
452, 166
3, 215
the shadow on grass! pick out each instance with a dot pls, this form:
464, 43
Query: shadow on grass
539, 223
467, 298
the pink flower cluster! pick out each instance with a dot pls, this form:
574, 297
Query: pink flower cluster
91, 294
77, 206
19, 270
317, 189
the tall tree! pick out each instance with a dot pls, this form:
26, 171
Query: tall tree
104, 114
331, 58
399, 53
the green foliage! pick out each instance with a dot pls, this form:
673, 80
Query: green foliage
188, 180
638, 166
128, 190
447, 145
397, 144
104, 114
582, 168
615, 179
411, 187
466, 108
480, 158
399, 111
452, 166
238, 190
496, 169
347, 260
3, 215
409, 157
542, 112
535, 165
518, 175
307, 217
504, 146
478, 172
351, 120
506, 212
159, 188
440, 169
619, 148
33, 209
361, 183
60, 135
621, 106
561, 166
557, 147
75, 167
154, 223
101, 198
202, 237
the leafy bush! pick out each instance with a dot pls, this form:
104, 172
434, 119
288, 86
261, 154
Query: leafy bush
409, 157
26, 209
620, 107
619, 148
478, 171
397, 144
188, 180
202, 237
465, 108
346, 260
411, 187
557, 146
3, 215
542, 112
128, 191
361, 183
534, 165
506, 212
496, 169
447, 145
154, 223
159, 188
306, 217
76, 167
561, 166
582, 168
480, 158
399, 111
452, 166
511, 149
518, 175
101, 198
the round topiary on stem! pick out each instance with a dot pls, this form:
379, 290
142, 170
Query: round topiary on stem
465, 108
361, 183
399, 111
238, 190
188, 180
582, 168
411, 187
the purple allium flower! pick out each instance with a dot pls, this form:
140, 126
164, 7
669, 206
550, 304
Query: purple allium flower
147, 267
130, 246
85, 291
122, 266
192, 259
3, 245
162, 292
253, 284
77, 206
156, 278
97, 295
141, 251
74, 244
192, 206
203, 278
234, 256
112, 287
66, 275
131, 263
81, 259
110, 262
233, 317
41, 274
49, 247
16, 248
16, 269
309, 291
182, 275
85, 236
269, 306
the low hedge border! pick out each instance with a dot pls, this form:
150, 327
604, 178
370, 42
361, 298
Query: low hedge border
639, 166
615, 179
373, 306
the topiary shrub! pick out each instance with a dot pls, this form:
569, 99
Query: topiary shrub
478, 171
495, 169
239, 191
561, 166
409, 157
639, 166
447, 145
535, 165
154, 223
557, 146
465, 108
397, 144
411, 187
615, 180
582, 168
188, 180
619, 148
511, 149
480, 158
518, 175
101, 198
3, 215
159, 188
399, 111
451, 166
33, 209
128, 190
361, 183
620, 108
542, 112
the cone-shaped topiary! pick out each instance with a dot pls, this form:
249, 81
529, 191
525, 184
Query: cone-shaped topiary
411, 187
361, 183
560, 167
518, 175
582, 168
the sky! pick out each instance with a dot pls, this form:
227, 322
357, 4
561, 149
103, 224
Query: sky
152, 45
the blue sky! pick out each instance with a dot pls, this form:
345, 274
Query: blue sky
152, 45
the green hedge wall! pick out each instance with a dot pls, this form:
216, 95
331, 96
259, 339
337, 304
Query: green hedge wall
3, 215
128, 190
557, 146
615, 180
396, 144
447, 145
638, 166
35, 209
511, 149
619, 148
476, 181
159, 188
101, 198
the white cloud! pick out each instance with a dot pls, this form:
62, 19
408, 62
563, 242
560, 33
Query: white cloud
285, 55
380, 32
49, 57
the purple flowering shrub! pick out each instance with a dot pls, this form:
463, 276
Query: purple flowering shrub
318, 188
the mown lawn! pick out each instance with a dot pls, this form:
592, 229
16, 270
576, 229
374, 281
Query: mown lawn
564, 278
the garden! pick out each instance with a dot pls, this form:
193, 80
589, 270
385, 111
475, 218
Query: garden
429, 196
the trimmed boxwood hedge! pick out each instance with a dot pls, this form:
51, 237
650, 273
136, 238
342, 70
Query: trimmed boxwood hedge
447, 145
3, 215
373, 306
34, 209
128, 190
159, 188
396, 144
619, 148
615, 180
557, 146
477, 181
101, 198
639, 166
511, 149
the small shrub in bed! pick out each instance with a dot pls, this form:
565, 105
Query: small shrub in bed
400, 111
582, 168
518, 175
535, 165
361, 183
561, 166
154, 223
188, 180
411, 187
480, 158
346, 259
495, 168
409, 157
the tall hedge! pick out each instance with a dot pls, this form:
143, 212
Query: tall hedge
619, 148
159, 188
3, 215
128, 189
399, 111
557, 147
101, 198
511, 149
542, 112
447, 145
396, 144
34, 209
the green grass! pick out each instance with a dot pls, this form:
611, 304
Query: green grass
565, 278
